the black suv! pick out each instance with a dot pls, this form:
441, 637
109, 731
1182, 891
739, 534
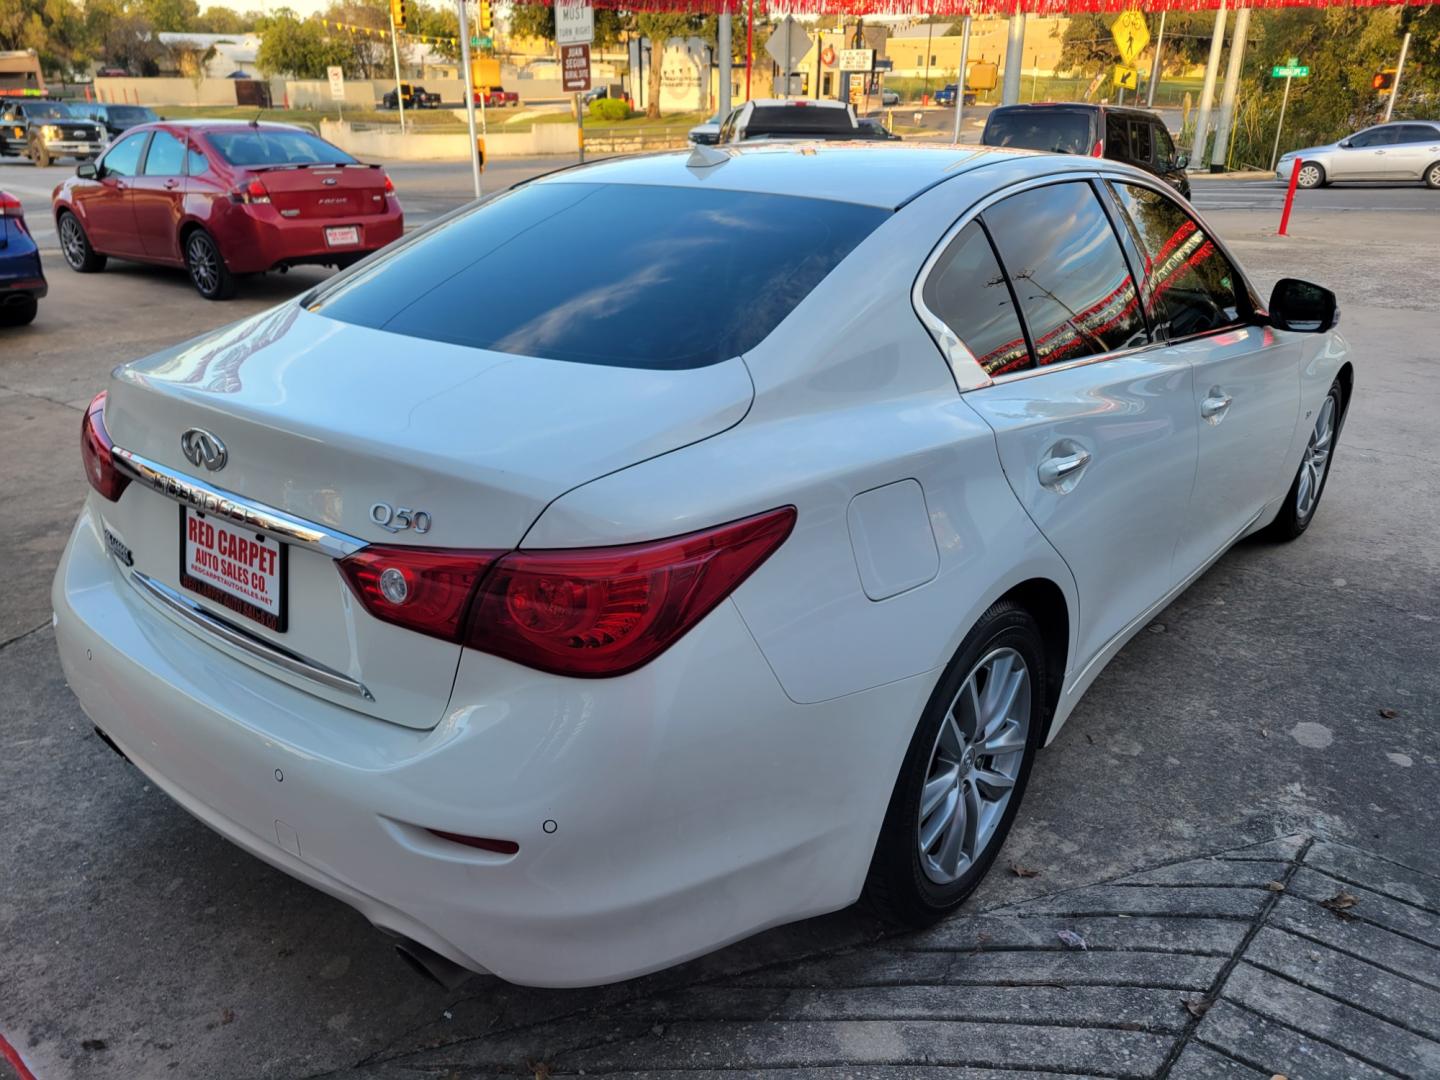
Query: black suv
116, 119
1133, 136
45, 130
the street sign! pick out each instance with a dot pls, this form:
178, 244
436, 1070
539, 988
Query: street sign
1290, 71
1127, 78
481, 41
885, 65
857, 60
788, 44
1131, 35
337, 83
574, 22
575, 68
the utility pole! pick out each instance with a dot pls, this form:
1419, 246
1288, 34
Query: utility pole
1399, 71
1207, 92
1014, 59
960, 82
749, 47
469, 93
724, 48
1232, 86
929, 44
395, 52
1155, 64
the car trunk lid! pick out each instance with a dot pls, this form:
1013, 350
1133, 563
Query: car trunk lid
325, 421
324, 191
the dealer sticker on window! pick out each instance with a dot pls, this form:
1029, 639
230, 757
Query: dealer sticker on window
238, 568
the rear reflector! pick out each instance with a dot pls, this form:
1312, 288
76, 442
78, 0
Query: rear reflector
484, 843
97, 451
583, 612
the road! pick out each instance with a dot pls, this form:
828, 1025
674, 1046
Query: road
1293, 692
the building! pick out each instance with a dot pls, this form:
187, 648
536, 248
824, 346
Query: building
20, 74
234, 53
929, 47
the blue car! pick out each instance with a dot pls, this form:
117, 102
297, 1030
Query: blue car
946, 95
22, 281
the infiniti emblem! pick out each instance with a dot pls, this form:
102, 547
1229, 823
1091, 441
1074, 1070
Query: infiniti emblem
202, 448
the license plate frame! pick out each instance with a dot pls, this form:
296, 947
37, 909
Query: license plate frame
232, 599
342, 236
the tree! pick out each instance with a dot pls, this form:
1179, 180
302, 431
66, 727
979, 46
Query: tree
660, 27
223, 20
168, 15
301, 49
538, 21
55, 29
191, 59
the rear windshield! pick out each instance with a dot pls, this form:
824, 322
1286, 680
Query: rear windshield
1061, 131
250, 147
616, 274
129, 114
798, 120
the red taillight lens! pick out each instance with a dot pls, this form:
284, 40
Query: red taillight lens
422, 589
253, 192
98, 452
1098, 150
606, 611
389, 186
10, 206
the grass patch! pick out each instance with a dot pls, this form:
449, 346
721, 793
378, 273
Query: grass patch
419, 118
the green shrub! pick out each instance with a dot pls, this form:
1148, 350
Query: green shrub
610, 109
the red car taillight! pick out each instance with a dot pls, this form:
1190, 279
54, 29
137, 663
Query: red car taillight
98, 452
10, 206
253, 192
389, 186
1098, 150
592, 612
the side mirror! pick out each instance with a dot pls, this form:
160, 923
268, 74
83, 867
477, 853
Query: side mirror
86, 170
1182, 161
1344, 144
1302, 307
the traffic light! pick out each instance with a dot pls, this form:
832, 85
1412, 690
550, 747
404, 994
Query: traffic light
487, 20
1384, 81
397, 13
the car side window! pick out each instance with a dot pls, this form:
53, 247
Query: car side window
1142, 148
166, 156
124, 157
1064, 261
1418, 133
967, 290
196, 163
1117, 138
1164, 145
1190, 286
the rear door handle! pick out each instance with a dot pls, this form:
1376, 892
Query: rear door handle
1053, 470
1214, 406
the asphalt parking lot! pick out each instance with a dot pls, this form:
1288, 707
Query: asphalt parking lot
1270, 743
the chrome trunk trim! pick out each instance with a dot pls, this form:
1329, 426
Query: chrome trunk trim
253, 515
234, 636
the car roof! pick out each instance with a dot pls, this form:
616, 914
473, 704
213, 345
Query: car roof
886, 175
203, 123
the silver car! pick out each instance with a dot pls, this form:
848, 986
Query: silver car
1400, 151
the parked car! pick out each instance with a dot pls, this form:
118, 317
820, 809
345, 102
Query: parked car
223, 199
113, 73
497, 97
889, 98
704, 583
116, 119
789, 118
871, 127
946, 95
708, 133
1134, 136
605, 90
1404, 152
22, 278
46, 130
415, 97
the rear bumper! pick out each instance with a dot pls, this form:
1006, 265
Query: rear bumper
659, 815
268, 240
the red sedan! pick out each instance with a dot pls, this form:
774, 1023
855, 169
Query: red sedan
224, 198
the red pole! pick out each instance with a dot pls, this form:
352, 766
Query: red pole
1290, 197
749, 46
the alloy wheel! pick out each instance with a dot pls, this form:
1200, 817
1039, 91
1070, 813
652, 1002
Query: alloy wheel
72, 241
974, 765
202, 259
1310, 176
1316, 460
1433, 176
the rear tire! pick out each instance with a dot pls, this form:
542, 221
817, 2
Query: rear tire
991, 695
208, 273
19, 313
1311, 176
1299, 507
1432, 176
75, 246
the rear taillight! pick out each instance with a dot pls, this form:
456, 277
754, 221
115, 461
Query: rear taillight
422, 589
253, 192
98, 452
10, 206
591, 612
389, 186
1098, 150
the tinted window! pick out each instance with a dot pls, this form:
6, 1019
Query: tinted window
620, 274
275, 146
1418, 133
1164, 145
1069, 275
124, 157
797, 120
1142, 148
129, 114
967, 290
1375, 137
166, 156
1190, 287
1064, 131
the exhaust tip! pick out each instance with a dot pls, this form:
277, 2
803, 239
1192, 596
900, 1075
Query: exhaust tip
432, 965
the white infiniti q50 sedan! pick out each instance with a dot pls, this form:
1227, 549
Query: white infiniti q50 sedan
678, 546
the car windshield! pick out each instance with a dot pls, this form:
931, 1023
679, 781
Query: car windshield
129, 114
1061, 131
48, 110
624, 275
252, 147
798, 120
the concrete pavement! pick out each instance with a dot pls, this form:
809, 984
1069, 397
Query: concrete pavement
1289, 699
